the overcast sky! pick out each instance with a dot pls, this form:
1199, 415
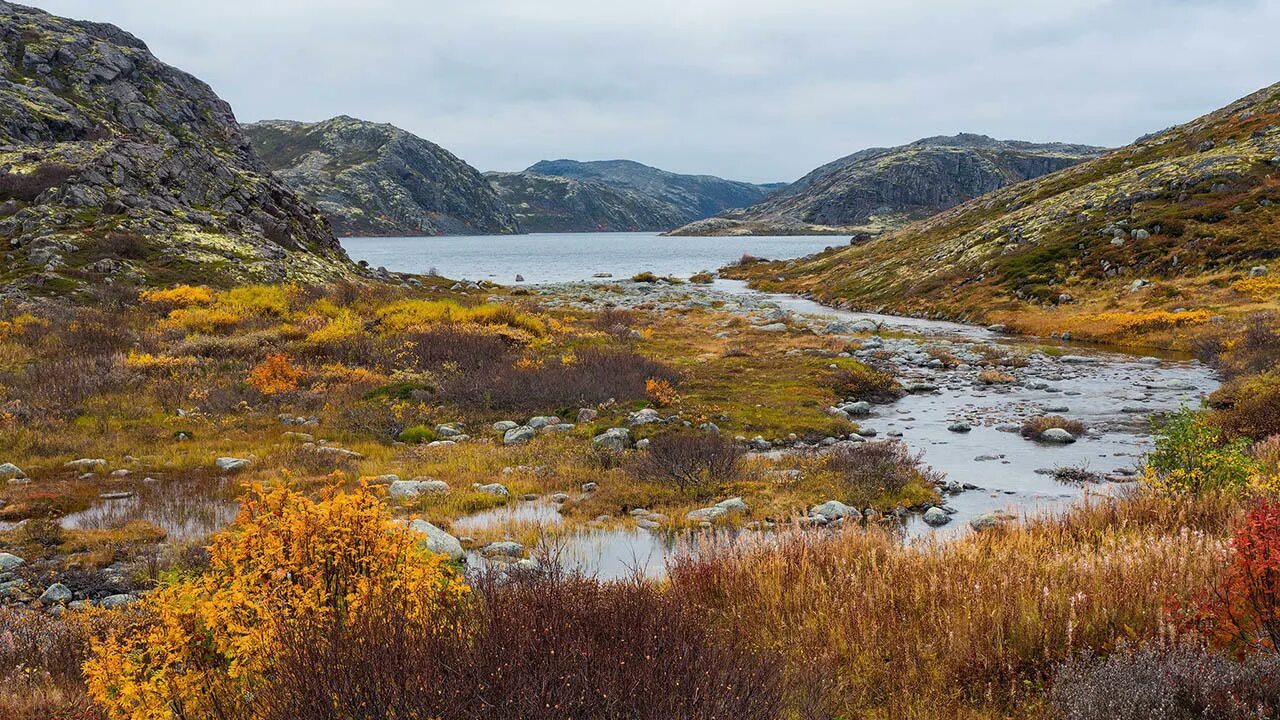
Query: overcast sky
746, 89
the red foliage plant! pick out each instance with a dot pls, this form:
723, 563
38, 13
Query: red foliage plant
1242, 613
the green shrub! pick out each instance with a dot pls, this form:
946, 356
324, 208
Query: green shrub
417, 434
1192, 456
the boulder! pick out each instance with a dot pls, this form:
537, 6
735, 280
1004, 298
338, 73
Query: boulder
834, 510
87, 465
9, 471
56, 594
9, 561
613, 439
517, 435
936, 517
448, 431
1057, 435
505, 425
401, 489
437, 540
503, 548
959, 427
540, 421
992, 520
646, 416
495, 489
117, 601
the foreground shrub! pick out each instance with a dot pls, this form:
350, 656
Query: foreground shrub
1242, 613
694, 462
540, 648
1192, 457
1248, 407
1032, 427
207, 643
1184, 682
275, 375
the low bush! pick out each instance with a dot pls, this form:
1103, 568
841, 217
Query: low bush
28, 186
468, 350
539, 648
995, 377
1032, 427
1247, 347
1182, 682
860, 382
702, 278
1191, 457
872, 471
1248, 406
417, 434
694, 462
420, 315
277, 374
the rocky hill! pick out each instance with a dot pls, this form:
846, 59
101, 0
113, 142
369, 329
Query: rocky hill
686, 197
882, 188
549, 203
1180, 220
374, 179
115, 167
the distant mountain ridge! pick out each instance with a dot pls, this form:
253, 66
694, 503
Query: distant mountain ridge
117, 168
686, 197
375, 179
551, 203
882, 188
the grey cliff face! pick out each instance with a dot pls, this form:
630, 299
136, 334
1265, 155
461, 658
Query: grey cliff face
378, 180
117, 167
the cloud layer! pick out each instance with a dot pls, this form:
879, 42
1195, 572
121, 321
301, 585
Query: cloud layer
745, 89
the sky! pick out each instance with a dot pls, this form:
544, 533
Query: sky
745, 89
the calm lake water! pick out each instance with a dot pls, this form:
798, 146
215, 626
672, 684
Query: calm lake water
564, 257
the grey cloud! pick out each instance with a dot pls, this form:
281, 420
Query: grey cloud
751, 89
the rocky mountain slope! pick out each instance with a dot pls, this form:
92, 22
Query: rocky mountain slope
116, 167
378, 180
549, 203
1182, 219
881, 188
686, 197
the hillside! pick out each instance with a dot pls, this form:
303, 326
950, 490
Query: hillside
115, 167
883, 188
687, 197
1153, 237
548, 203
377, 180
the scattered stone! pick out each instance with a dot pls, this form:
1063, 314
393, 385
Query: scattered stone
117, 601
832, 510
400, 489
87, 465
337, 453
587, 414
590, 487
540, 421
1258, 271
9, 561
992, 520
448, 431
503, 548
9, 471
959, 427
495, 489
505, 425
231, 464
643, 417
116, 495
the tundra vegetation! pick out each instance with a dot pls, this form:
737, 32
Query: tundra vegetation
321, 393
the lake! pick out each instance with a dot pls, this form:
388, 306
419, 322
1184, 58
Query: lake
565, 257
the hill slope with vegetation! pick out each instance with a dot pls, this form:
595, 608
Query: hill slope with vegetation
884, 188
1149, 239
115, 165
374, 179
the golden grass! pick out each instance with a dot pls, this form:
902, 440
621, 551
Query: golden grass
968, 628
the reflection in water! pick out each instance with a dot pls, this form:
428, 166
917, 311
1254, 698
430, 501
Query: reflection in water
184, 510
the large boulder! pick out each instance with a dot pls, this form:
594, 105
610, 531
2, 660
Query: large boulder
9, 471
9, 561
437, 540
517, 435
936, 517
1057, 435
616, 439
231, 464
833, 510
56, 594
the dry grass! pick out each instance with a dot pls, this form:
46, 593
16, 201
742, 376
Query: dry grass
970, 628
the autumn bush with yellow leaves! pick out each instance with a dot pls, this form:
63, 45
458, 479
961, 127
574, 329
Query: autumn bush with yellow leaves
204, 644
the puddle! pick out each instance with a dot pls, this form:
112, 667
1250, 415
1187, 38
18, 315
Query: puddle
186, 511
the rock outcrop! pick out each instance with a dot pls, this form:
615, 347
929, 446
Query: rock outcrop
374, 179
1196, 203
685, 198
549, 203
883, 188
117, 168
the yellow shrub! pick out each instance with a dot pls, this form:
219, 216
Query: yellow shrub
411, 315
343, 328
204, 319
660, 392
16, 326
146, 361
178, 296
344, 375
206, 642
1258, 288
275, 375
259, 299
1137, 322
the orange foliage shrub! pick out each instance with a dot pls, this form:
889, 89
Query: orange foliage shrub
207, 643
275, 375
660, 392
